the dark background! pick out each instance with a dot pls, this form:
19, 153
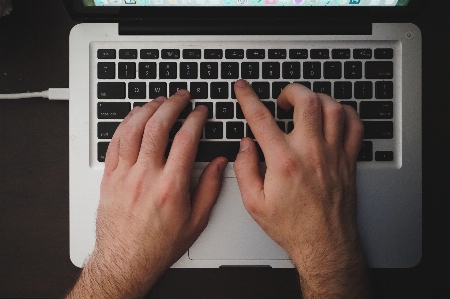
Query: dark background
34, 174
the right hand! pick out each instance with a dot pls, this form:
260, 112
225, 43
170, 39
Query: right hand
307, 200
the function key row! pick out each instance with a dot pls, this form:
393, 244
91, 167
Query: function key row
381, 53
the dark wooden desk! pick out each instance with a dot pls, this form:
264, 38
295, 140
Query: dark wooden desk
34, 181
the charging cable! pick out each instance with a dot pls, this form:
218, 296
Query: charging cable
51, 94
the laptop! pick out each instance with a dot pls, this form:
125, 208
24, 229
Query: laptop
364, 53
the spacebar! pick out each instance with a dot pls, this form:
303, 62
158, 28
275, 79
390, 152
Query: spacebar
209, 150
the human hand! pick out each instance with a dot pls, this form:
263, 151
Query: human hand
307, 200
147, 219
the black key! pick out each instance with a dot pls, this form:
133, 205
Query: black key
291, 70
209, 150
224, 110
174, 130
140, 104
147, 70
127, 70
229, 70
256, 53
210, 108
111, 90
304, 83
149, 53
156, 89
199, 90
340, 53
102, 147
290, 127
116, 110
384, 53
384, 90
239, 113
277, 87
219, 90
209, 70
235, 130
353, 70
214, 130
378, 129
384, 156
192, 53
127, 54
167, 70
262, 89
351, 104
105, 130
106, 70
285, 114
250, 70
106, 54
379, 69
137, 90
277, 53
332, 70
170, 54
184, 114
376, 110
298, 54
362, 53
343, 90
234, 54
270, 106
188, 70
312, 70
249, 132
320, 54
366, 152
271, 70
176, 86
213, 54
363, 90
323, 87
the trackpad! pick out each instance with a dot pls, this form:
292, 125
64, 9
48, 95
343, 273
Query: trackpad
232, 234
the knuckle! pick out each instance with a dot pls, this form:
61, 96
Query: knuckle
261, 115
185, 137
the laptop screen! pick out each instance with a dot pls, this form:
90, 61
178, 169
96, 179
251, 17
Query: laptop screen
318, 3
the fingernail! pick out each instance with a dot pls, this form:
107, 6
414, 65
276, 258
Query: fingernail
240, 83
160, 99
182, 92
244, 145
222, 165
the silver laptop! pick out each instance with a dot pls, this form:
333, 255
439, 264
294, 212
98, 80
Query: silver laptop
364, 53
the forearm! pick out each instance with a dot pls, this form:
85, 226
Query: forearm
333, 276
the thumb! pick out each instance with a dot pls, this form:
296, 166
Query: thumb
207, 192
248, 175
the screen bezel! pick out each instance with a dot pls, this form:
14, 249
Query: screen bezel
81, 13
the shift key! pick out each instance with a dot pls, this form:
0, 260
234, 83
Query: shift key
378, 129
111, 90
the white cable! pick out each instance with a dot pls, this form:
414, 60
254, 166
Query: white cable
51, 94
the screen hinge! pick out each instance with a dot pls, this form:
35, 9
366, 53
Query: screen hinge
245, 27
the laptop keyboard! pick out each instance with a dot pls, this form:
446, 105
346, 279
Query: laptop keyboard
359, 76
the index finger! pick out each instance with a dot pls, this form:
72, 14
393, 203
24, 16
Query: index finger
259, 118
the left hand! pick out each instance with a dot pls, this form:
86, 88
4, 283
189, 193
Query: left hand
147, 219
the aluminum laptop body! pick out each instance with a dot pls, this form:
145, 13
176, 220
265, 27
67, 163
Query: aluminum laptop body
389, 187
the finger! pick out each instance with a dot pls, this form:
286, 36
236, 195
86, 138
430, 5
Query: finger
259, 118
132, 131
250, 181
156, 132
333, 118
207, 192
307, 110
353, 133
184, 148
112, 154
